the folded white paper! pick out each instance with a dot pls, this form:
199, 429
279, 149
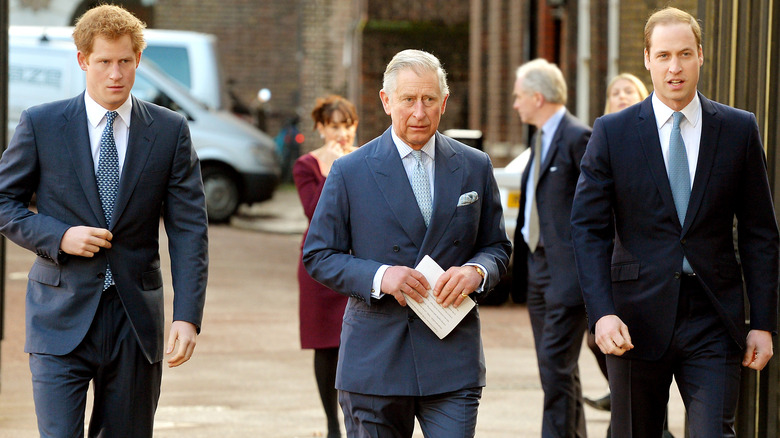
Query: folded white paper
439, 319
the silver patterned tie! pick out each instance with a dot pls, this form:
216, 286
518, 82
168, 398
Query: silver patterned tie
421, 186
108, 178
533, 218
679, 176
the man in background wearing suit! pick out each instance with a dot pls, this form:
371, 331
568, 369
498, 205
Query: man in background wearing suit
409, 193
104, 167
544, 257
665, 179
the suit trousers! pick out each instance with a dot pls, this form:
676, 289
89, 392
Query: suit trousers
126, 386
558, 328
448, 415
704, 361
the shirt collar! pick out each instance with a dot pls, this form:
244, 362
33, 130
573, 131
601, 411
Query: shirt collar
404, 149
96, 113
552, 123
663, 113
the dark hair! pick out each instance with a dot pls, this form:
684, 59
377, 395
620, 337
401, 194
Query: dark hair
325, 107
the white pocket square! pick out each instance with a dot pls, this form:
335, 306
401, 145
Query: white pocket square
467, 198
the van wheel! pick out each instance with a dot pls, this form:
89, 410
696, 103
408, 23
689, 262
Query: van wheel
221, 193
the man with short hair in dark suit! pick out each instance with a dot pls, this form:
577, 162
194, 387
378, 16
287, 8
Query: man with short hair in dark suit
104, 166
666, 178
544, 257
409, 193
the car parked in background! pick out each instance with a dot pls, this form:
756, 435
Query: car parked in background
238, 162
508, 180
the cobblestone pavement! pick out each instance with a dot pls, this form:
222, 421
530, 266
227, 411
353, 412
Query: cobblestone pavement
248, 377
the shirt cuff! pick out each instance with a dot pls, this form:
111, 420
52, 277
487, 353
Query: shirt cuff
376, 286
484, 280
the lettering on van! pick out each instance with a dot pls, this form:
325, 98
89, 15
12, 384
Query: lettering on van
34, 75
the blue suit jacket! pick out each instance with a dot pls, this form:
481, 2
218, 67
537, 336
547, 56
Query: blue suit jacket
50, 156
624, 192
368, 216
554, 195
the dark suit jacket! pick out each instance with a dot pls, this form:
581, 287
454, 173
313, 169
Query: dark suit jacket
368, 216
554, 193
623, 175
49, 156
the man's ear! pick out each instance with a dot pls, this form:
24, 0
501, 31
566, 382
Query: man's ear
385, 98
82, 61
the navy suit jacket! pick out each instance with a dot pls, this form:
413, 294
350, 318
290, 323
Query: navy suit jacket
554, 195
368, 216
49, 156
624, 192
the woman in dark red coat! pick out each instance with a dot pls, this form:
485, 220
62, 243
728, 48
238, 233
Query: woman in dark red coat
321, 309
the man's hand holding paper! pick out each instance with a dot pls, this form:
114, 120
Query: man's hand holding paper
455, 284
402, 282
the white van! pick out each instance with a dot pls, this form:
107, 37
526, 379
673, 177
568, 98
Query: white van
238, 162
190, 58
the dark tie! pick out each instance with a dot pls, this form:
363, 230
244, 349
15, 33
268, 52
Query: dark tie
679, 176
108, 178
533, 219
421, 186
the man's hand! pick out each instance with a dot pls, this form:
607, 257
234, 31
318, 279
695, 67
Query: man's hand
455, 284
85, 241
187, 334
759, 349
612, 335
400, 280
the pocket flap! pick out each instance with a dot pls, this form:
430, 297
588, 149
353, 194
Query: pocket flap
45, 272
625, 272
152, 279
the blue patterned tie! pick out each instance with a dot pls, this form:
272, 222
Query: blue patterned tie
108, 178
421, 186
679, 176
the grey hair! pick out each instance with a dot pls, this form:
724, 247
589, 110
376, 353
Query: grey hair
420, 62
541, 76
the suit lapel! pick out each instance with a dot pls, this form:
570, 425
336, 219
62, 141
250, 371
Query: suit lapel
651, 146
448, 182
548, 157
76, 137
391, 178
710, 130
139, 144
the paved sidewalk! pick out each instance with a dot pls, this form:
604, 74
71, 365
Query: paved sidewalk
249, 378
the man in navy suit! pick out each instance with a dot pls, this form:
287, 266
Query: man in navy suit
665, 178
368, 233
104, 167
544, 267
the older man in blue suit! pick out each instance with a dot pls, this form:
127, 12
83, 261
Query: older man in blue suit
665, 179
104, 167
383, 208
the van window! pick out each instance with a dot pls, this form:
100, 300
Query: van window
145, 90
173, 60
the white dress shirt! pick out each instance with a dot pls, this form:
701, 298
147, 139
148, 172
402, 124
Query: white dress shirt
690, 129
548, 132
96, 122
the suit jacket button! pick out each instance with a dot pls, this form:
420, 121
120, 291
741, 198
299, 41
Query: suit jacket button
676, 275
396, 248
101, 275
456, 242
683, 241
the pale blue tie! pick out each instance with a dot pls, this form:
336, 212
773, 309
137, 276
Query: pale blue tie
108, 178
421, 186
679, 176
